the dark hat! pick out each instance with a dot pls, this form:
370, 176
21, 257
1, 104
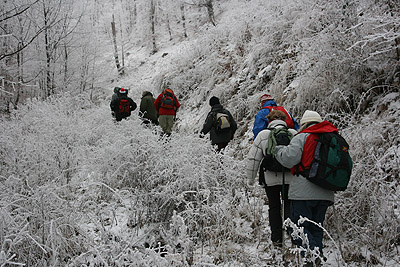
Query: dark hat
214, 101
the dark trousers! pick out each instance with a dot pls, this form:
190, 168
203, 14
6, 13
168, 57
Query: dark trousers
221, 146
314, 210
275, 210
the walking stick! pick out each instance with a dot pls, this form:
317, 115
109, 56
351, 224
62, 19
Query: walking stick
283, 216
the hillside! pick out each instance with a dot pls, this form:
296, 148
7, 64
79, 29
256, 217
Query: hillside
77, 189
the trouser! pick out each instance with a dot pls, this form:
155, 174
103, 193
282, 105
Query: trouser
314, 210
275, 210
166, 123
221, 146
148, 121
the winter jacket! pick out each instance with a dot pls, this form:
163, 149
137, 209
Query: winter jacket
114, 105
166, 111
289, 156
147, 108
261, 121
209, 126
257, 153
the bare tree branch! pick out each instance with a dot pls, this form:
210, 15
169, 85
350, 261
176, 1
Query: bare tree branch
18, 12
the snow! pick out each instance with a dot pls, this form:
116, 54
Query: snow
91, 192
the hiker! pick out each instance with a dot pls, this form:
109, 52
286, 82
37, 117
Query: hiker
147, 109
122, 106
219, 136
267, 105
167, 105
272, 181
306, 198
116, 93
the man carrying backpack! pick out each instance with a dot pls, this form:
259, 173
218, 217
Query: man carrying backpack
267, 105
147, 109
307, 199
122, 106
167, 105
220, 124
272, 178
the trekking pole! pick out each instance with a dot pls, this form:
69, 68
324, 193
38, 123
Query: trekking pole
283, 216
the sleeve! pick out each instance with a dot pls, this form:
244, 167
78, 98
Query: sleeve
177, 104
296, 124
207, 124
233, 123
113, 104
133, 104
254, 159
143, 105
289, 156
157, 103
261, 122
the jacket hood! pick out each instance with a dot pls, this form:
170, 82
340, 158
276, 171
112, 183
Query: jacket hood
217, 107
275, 123
269, 103
322, 127
146, 93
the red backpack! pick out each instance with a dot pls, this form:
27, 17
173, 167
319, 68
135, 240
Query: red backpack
124, 107
289, 120
168, 99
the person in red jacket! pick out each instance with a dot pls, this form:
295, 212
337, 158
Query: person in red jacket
167, 105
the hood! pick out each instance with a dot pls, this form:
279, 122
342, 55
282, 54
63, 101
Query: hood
269, 103
322, 127
275, 123
146, 93
217, 107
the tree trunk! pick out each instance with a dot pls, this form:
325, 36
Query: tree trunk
49, 90
183, 20
210, 11
114, 34
152, 21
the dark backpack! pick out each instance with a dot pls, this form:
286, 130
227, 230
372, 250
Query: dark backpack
222, 122
331, 164
168, 99
124, 108
277, 136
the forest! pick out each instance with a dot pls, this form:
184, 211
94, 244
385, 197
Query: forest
78, 189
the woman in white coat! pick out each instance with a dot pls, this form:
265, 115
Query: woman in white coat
273, 180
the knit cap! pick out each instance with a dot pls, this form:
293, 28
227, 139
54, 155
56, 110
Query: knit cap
214, 101
310, 116
266, 97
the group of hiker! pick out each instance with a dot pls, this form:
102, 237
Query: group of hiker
160, 111
300, 166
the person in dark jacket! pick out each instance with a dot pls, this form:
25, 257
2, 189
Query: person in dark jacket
220, 138
122, 106
147, 109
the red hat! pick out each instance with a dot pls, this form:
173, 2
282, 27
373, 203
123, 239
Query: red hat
266, 97
122, 91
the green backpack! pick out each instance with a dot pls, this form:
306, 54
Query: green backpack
331, 165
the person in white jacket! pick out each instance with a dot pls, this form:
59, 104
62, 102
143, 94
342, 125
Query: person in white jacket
273, 180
